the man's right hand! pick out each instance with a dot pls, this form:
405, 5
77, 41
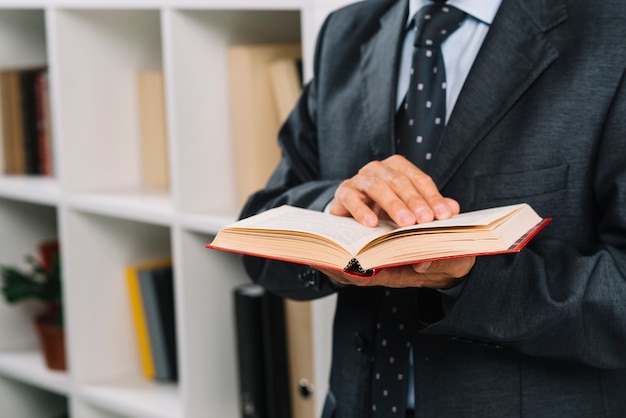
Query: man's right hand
393, 188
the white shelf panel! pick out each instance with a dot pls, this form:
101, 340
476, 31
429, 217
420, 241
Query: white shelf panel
209, 224
135, 397
136, 205
28, 367
33, 189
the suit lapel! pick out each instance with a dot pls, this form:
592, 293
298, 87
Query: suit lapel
514, 53
379, 66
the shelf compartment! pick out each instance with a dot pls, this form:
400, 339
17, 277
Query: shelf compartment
195, 50
102, 343
98, 55
23, 47
24, 226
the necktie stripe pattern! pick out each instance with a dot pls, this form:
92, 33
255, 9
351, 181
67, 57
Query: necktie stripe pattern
419, 124
421, 118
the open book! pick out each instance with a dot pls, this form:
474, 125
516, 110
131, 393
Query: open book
309, 237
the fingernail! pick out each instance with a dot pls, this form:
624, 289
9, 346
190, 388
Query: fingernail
442, 211
424, 215
422, 267
370, 220
405, 218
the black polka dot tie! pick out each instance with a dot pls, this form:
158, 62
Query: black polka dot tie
419, 125
421, 118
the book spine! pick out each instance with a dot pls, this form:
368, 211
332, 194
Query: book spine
164, 285
250, 348
298, 319
29, 121
154, 155
11, 122
141, 327
155, 332
44, 131
276, 357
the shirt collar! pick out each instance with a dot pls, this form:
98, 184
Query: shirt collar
483, 10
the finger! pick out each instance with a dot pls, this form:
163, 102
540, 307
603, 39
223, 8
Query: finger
453, 267
422, 195
386, 188
432, 204
346, 279
454, 206
388, 197
349, 201
422, 267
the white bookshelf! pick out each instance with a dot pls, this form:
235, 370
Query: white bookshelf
105, 220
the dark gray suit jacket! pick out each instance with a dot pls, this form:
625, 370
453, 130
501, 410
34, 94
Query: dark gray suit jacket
541, 119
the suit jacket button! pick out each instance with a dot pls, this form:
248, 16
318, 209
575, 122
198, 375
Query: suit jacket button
359, 342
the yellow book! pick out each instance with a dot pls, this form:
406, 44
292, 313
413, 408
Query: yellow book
141, 326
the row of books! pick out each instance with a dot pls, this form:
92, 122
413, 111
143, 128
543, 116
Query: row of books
25, 119
151, 292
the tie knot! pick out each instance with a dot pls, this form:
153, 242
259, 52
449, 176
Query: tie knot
435, 22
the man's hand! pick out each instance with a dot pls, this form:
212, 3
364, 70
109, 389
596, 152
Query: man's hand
441, 274
395, 188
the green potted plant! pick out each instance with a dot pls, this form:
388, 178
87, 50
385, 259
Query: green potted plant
41, 281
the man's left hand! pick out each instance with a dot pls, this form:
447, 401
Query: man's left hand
440, 274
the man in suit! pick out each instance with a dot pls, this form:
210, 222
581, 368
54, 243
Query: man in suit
539, 117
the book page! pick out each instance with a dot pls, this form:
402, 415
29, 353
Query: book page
343, 230
476, 218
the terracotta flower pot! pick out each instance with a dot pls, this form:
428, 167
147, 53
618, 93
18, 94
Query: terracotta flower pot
52, 342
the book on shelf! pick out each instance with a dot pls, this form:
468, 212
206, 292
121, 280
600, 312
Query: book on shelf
255, 118
276, 359
153, 127
151, 292
141, 325
44, 123
286, 80
250, 358
29, 121
12, 134
25, 115
163, 281
261, 353
341, 243
299, 329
